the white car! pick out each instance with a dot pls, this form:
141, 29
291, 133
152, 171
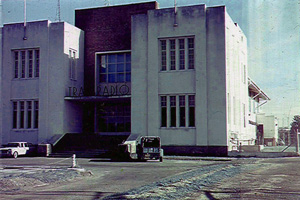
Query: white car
14, 149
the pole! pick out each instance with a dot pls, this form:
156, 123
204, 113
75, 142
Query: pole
24, 38
297, 141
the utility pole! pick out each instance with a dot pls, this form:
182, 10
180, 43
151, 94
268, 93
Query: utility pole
58, 10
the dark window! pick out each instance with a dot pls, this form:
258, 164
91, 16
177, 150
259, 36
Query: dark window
29, 113
172, 54
22, 114
30, 63
15, 114
163, 44
36, 114
163, 101
181, 54
37, 63
191, 110
114, 68
16, 64
23, 64
191, 53
182, 110
173, 111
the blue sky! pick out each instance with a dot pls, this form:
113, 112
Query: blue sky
271, 27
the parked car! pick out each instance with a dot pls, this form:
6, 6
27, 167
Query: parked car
15, 149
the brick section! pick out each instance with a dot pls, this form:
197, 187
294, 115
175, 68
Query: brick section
196, 150
106, 29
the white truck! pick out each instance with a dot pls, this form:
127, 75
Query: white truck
14, 149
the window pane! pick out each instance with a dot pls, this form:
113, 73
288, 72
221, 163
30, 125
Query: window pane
128, 67
22, 118
29, 111
120, 67
128, 57
120, 77
23, 63
128, 77
111, 58
37, 63
30, 63
173, 111
163, 55
111, 78
15, 114
111, 68
120, 58
191, 53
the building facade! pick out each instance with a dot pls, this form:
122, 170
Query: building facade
39, 60
178, 73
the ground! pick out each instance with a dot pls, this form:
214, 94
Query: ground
175, 178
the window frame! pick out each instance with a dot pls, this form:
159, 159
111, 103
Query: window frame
25, 111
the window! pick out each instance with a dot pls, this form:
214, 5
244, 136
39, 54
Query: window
29, 113
181, 114
163, 55
173, 111
114, 68
15, 114
163, 102
182, 110
36, 114
181, 54
191, 110
26, 62
191, 53
72, 64
23, 114
170, 49
113, 117
172, 54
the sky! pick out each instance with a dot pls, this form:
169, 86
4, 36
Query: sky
271, 27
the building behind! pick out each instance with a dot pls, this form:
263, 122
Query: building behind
180, 74
36, 69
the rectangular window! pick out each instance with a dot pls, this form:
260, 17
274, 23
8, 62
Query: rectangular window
22, 114
163, 46
37, 63
191, 53
29, 113
26, 62
163, 102
177, 53
182, 110
114, 68
30, 63
191, 110
173, 111
72, 64
172, 54
15, 114
16, 58
181, 54
23, 64
36, 114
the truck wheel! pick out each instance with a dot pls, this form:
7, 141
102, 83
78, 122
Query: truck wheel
160, 159
15, 155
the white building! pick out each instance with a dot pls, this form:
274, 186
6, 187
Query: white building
269, 128
38, 61
189, 79
180, 74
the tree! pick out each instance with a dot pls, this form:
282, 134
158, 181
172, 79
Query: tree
295, 127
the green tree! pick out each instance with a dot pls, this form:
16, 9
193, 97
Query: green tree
295, 127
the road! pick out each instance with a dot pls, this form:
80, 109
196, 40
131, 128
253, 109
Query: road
277, 178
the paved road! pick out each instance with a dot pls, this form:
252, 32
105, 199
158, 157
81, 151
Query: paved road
277, 178
108, 177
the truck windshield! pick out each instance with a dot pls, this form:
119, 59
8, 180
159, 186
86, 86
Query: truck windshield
12, 145
151, 142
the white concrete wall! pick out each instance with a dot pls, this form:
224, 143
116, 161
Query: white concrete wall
207, 81
270, 123
237, 86
49, 89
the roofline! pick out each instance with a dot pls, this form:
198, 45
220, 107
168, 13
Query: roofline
261, 93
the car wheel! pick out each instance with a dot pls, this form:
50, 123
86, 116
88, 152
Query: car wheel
15, 155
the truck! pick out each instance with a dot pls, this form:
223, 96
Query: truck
141, 148
14, 149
